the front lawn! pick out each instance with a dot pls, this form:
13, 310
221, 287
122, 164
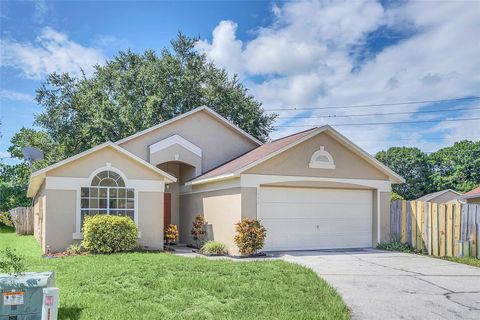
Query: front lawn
165, 286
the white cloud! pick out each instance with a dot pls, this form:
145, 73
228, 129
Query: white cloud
52, 51
4, 154
16, 96
224, 47
306, 59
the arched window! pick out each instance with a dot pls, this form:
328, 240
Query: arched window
321, 159
107, 194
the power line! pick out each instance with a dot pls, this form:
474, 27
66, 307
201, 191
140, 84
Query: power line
378, 123
377, 105
420, 139
378, 114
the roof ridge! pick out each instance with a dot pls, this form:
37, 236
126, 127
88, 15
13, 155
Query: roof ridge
293, 134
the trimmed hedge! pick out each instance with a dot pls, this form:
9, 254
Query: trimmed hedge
109, 234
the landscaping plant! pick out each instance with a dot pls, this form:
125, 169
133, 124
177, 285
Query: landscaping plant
171, 234
395, 245
6, 219
250, 236
198, 230
74, 249
11, 262
109, 234
214, 248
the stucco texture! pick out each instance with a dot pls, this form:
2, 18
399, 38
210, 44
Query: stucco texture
295, 161
150, 219
221, 210
219, 142
84, 166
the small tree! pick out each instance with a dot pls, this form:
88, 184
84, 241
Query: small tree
171, 234
11, 262
198, 229
250, 236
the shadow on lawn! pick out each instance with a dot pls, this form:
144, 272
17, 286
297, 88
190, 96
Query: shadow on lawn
70, 313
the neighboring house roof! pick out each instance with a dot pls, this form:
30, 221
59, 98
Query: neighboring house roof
433, 195
474, 193
268, 150
36, 178
186, 114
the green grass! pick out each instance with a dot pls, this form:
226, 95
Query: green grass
165, 286
465, 260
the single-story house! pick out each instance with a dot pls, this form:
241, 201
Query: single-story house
472, 196
443, 196
314, 189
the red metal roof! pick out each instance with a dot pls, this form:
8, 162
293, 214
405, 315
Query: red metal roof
254, 155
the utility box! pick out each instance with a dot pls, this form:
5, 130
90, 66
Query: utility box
29, 296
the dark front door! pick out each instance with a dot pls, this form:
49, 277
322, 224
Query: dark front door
167, 209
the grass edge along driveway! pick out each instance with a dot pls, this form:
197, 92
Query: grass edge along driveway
165, 286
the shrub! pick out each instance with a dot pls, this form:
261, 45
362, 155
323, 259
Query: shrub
171, 234
107, 234
395, 196
213, 247
250, 236
198, 229
11, 262
395, 245
74, 249
6, 219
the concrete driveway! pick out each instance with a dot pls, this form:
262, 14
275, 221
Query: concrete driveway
386, 285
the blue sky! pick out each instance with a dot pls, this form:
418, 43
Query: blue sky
308, 54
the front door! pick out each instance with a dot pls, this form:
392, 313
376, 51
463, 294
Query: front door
167, 209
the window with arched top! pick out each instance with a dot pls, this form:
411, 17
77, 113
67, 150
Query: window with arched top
322, 159
107, 194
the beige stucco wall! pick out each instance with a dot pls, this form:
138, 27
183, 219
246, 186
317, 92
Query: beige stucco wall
59, 219
249, 202
219, 142
84, 166
445, 197
150, 219
295, 161
184, 155
221, 210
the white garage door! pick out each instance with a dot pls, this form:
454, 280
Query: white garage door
306, 219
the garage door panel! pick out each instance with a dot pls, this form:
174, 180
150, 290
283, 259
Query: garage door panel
303, 219
313, 195
312, 210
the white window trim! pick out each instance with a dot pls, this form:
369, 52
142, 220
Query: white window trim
315, 164
78, 214
175, 139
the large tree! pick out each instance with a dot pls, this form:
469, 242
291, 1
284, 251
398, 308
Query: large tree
413, 165
133, 91
456, 167
13, 186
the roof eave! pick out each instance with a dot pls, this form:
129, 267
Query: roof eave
212, 179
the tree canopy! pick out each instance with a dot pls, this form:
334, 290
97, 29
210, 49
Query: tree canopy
132, 92
456, 167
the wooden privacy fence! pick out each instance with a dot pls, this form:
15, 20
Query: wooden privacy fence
23, 219
439, 229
